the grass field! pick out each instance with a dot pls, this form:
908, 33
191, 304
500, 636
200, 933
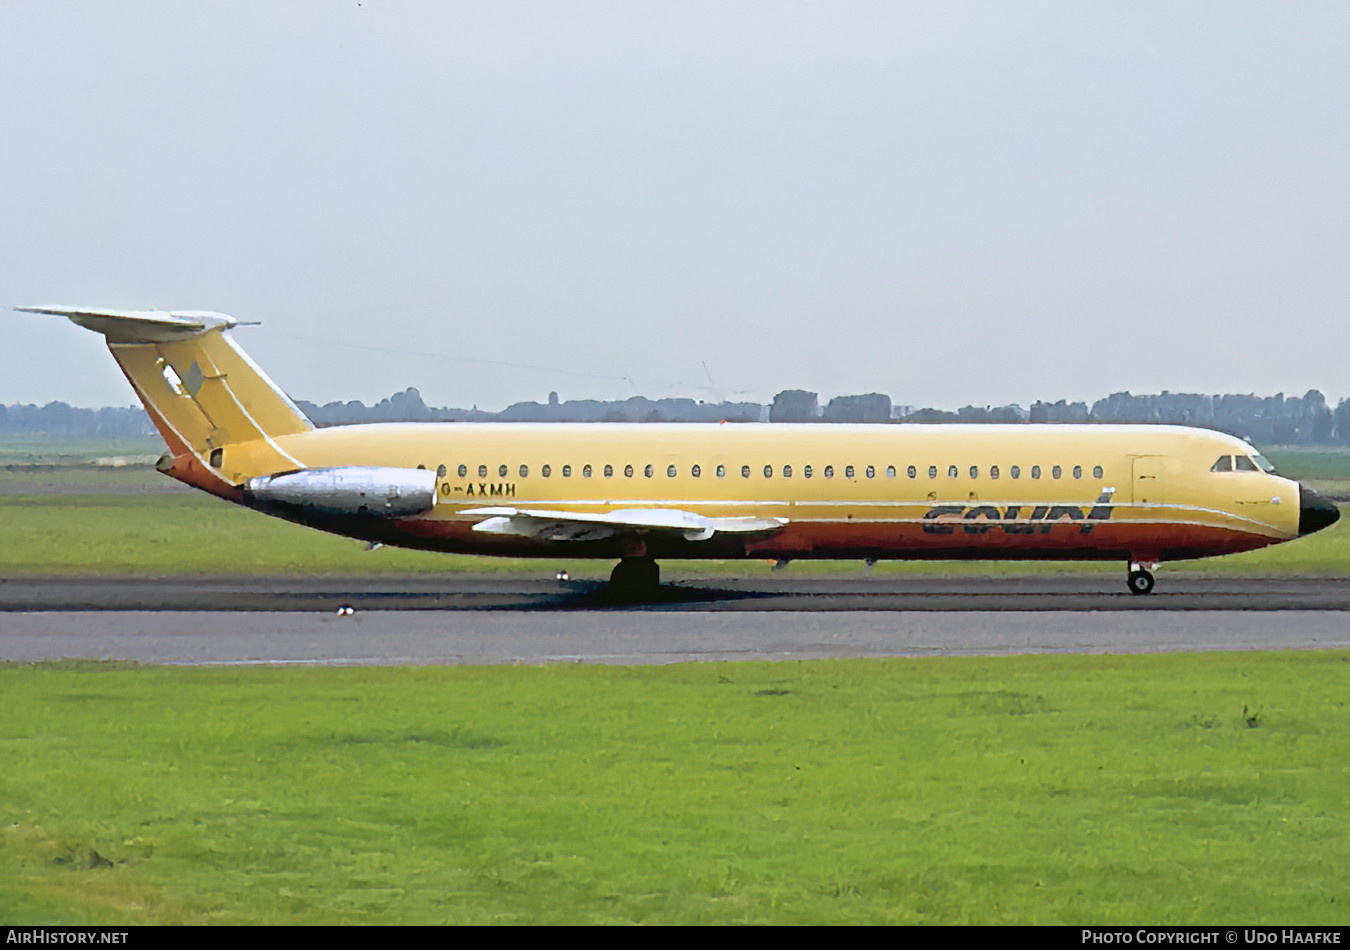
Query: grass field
1179, 789
1324, 468
39, 450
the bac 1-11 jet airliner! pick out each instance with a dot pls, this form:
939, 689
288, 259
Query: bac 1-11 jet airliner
1140, 495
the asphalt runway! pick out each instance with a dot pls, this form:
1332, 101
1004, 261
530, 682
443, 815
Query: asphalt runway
464, 619
785, 593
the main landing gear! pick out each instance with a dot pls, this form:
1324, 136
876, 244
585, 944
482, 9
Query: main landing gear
1140, 580
635, 577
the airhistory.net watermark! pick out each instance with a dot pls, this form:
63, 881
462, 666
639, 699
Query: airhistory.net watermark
39, 935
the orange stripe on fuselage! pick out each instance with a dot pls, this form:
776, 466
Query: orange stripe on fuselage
824, 540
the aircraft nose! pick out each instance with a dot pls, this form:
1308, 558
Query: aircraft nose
1314, 511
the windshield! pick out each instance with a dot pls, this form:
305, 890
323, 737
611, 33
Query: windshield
1265, 465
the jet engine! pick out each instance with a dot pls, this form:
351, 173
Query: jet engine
378, 492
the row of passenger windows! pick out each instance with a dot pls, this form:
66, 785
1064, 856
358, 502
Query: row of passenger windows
807, 471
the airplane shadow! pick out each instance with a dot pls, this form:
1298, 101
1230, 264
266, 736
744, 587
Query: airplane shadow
594, 595
568, 595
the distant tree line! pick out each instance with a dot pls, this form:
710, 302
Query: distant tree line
408, 406
1271, 420
57, 418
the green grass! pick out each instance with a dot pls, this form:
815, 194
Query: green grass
1033, 789
87, 480
39, 450
174, 533
1310, 461
187, 534
1323, 468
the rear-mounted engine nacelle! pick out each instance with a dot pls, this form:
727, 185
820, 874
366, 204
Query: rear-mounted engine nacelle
381, 492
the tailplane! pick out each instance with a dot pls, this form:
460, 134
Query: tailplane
218, 412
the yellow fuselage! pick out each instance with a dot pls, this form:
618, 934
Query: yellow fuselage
1146, 493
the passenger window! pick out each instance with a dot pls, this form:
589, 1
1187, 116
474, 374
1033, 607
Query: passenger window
441, 470
829, 471
974, 471
890, 471
501, 471
1224, 464
721, 471
648, 471
585, 471
1055, 471
932, 471
1015, 471
1245, 464
628, 471
1035, 471
463, 470
745, 471
1097, 471
848, 471
993, 471
482, 471
609, 471
670, 471
524, 471
871, 472
911, 472
806, 471
787, 471
696, 471
546, 471
567, 471
952, 472
1078, 471
768, 471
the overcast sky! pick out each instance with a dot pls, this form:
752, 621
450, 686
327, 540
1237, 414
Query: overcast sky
948, 202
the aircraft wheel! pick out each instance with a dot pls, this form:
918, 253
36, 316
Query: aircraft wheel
635, 577
1140, 582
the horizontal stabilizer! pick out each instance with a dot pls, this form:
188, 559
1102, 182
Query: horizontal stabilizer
140, 326
218, 412
575, 526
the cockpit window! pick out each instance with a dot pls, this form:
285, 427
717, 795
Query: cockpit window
1245, 464
1263, 464
1224, 464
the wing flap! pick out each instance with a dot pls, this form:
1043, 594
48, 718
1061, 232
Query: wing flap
548, 525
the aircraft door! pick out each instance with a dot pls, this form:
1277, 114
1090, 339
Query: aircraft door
1150, 482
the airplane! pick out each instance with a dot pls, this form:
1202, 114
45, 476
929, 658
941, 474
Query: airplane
1138, 494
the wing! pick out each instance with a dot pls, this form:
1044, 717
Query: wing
546, 525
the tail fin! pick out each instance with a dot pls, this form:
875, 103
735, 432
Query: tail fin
201, 390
